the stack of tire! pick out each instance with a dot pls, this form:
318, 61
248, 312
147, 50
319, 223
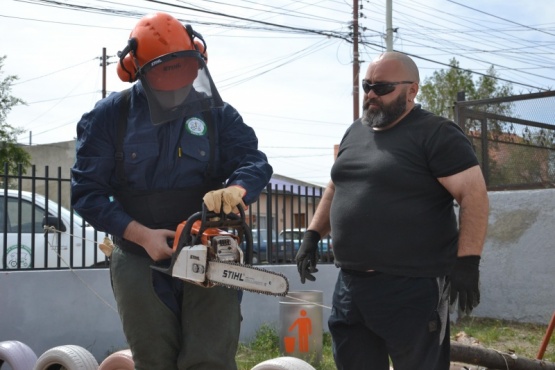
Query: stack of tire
18, 356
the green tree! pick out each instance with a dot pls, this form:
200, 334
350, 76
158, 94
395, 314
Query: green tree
10, 152
439, 92
515, 157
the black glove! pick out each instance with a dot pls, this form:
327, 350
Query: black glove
307, 256
464, 283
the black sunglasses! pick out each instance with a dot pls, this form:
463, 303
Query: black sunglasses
382, 88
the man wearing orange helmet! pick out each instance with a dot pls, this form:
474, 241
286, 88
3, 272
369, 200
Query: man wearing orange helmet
147, 158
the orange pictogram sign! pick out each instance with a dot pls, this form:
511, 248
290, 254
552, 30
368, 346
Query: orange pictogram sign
304, 330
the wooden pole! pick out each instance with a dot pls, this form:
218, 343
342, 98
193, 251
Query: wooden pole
103, 73
546, 337
356, 64
495, 360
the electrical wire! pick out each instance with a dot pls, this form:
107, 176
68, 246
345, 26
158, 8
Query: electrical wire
414, 31
410, 15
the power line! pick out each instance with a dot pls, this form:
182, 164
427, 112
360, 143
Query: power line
54, 72
459, 68
64, 23
276, 25
271, 11
437, 38
504, 19
296, 29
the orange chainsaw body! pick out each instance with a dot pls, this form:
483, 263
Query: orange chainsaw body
206, 237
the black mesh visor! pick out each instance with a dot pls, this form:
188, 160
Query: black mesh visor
178, 85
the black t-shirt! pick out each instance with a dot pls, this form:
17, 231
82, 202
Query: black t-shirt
389, 212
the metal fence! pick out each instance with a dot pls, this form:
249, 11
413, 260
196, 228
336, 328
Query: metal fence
514, 138
39, 229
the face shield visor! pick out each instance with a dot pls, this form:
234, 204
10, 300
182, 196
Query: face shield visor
178, 85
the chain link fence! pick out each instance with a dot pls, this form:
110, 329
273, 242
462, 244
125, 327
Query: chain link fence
514, 138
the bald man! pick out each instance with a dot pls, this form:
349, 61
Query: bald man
389, 208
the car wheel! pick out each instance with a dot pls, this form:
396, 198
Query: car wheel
67, 357
255, 259
284, 363
17, 355
121, 360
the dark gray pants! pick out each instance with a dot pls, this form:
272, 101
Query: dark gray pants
200, 331
377, 316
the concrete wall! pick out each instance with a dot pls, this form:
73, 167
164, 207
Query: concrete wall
62, 154
518, 263
45, 309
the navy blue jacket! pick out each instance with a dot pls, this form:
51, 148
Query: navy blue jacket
171, 155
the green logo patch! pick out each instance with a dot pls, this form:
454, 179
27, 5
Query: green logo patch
196, 126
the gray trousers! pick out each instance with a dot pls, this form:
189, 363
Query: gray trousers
198, 330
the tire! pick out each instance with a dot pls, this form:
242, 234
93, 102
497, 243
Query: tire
69, 357
121, 360
17, 355
284, 363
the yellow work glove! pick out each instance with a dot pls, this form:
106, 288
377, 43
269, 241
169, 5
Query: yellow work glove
227, 198
106, 246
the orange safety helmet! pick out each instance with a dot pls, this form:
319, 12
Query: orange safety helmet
156, 35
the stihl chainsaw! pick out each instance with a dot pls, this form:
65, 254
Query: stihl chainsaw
207, 254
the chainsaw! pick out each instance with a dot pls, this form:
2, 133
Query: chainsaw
206, 253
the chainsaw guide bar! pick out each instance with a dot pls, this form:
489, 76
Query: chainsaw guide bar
246, 277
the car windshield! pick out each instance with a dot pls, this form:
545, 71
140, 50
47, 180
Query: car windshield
64, 213
263, 234
291, 235
76, 218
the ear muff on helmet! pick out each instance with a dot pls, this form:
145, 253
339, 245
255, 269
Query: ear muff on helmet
126, 68
201, 48
198, 42
127, 72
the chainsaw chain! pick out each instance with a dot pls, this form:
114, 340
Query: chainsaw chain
252, 290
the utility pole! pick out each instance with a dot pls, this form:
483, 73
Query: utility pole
389, 25
356, 63
103, 73
104, 63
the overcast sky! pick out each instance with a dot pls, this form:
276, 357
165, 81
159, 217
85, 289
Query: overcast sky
289, 74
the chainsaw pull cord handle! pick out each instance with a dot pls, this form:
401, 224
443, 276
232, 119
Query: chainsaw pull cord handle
180, 244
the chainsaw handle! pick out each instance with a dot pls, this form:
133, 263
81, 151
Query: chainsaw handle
209, 219
206, 215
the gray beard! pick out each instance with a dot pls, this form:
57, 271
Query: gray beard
385, 115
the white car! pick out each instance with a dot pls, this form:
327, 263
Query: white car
68, 241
